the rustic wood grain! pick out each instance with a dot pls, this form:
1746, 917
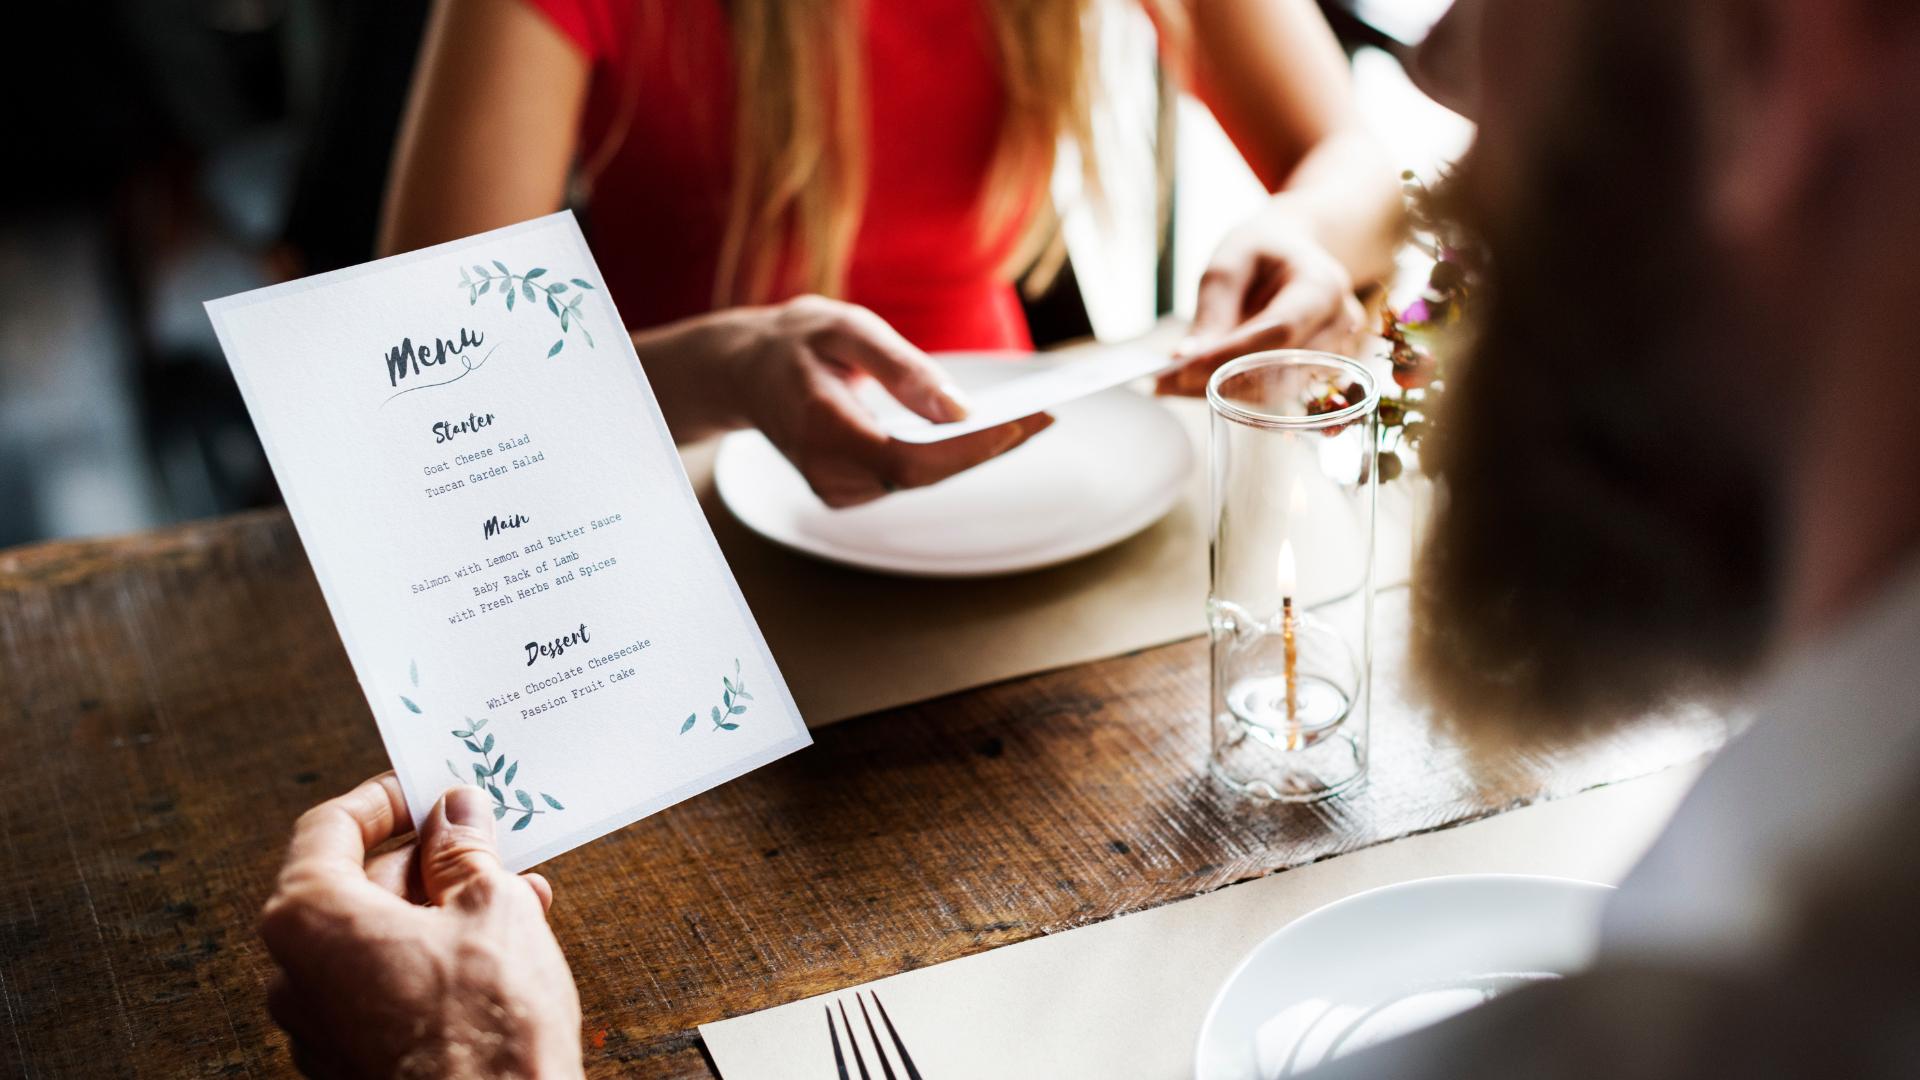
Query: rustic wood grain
170, 702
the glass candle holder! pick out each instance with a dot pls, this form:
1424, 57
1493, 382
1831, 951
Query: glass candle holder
1290, 610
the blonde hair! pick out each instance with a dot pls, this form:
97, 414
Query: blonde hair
800, 139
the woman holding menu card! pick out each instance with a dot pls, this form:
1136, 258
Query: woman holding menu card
740, 161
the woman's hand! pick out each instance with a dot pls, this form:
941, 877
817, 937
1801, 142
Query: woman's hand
1270, 285
428, 960
791, 370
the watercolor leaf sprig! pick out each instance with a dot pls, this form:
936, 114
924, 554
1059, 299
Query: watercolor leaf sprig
492, 772
512, 286
733, 691
496, 773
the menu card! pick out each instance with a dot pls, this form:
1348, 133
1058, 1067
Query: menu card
500, 523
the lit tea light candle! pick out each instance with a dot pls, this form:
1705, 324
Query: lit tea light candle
1285, 574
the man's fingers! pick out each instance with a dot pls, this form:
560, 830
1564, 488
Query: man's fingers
541, 887
457, 856
861, 339
336, 834
393, 871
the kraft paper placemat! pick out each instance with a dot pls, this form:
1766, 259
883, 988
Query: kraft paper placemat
851, 642
1125, 998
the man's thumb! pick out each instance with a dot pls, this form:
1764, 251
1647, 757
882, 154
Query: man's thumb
456, 847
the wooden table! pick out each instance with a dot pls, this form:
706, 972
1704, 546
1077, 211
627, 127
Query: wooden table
170, 702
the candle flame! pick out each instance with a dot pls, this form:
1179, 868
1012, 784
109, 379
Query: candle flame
1285, 572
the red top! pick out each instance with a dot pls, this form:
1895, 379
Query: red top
659, 207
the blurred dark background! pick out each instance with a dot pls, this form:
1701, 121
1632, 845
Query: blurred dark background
165, 152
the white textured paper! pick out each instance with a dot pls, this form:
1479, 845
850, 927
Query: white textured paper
1124, 999
1019, 398
521, 575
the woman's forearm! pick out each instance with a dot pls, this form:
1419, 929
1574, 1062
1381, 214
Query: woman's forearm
690, 365
489, 131
1347, 193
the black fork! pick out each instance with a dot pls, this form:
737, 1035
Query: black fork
873, 1036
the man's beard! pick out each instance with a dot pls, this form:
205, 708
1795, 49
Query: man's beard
1603, 543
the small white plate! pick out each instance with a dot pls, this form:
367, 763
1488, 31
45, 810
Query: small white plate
1390, 961
1111, 465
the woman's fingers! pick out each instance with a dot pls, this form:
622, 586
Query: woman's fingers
1299, 313
881, 467
856, 337
835, 441
1219, 304
919, 464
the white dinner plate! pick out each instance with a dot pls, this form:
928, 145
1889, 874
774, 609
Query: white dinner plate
1391, 960
1111, 465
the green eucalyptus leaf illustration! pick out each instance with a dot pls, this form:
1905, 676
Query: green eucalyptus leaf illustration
733, 692
413, 672
516, 287
492, 766
408, 702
